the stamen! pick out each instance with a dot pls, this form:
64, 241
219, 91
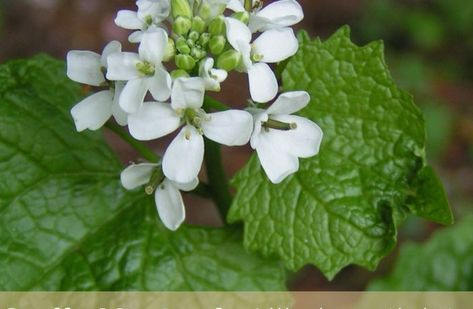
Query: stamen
257, 5
145, 68
187, 135
149, 20
194, 117
278, 125
257, 57
248, 5
157, 177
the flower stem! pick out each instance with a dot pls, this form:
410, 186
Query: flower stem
144, 151
218, 183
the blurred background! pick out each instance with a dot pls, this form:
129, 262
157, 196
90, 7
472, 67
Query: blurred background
429, 49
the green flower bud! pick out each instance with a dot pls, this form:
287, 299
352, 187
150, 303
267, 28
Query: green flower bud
229, 60
244, 17
193, 36
217, 26
181, 25
190, 43
198, 24
198, 53
181, 8
185, 62
204, 39
179, 73
217, 44
170, 51
182, 47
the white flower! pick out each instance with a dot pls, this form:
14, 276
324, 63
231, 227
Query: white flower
278, 14
150, 14
281, 138
271, 46
167, 196
143, 71
183, 158
212, 77
88, 68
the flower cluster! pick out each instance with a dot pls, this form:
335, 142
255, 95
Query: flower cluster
185, 48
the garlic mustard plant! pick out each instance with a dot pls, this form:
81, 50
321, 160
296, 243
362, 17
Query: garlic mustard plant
186, 48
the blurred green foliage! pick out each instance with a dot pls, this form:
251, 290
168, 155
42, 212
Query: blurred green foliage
413, 73
444, 263
438, 28
430, 53
430, 46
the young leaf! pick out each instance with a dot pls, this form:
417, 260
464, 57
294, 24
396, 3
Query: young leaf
343, 205
442, 264
67, 224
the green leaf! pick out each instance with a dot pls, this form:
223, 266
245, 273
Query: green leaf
343, 205
429, 199
444, 263
65, 221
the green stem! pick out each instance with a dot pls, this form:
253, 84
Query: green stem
218, 183
211, 103
203, 190
144, 151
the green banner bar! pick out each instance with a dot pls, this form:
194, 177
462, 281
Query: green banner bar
237, 300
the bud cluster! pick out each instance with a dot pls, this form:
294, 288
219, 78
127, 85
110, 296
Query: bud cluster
188, 47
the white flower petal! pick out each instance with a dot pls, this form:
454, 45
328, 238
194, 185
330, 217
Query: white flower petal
277, 163
170, 205
304, 141
259, 118
231, 128
245, 51
160, 84
153, 45
263, 83
153, 120
212, 85
137, 175
135, 37
289, 102
133, 95
206, 66
128, 20
157, 10
236, 6
121, 117
276, 45
283, 13
85, 67
219, 75
92, 112
122, 66
237, 32
188, 186
188, 92
110, 48
183, 158
212, 77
